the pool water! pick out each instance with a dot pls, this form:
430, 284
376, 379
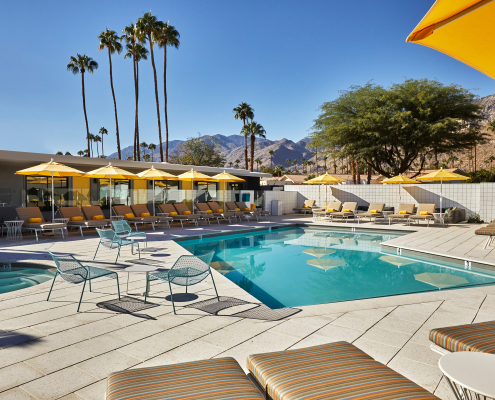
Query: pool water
299, 266
17, 276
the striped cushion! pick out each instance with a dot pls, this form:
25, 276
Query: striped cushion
472, 337
221, 378
336, 370
486, 230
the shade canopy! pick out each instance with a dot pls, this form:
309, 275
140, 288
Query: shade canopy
318, 252
397, 261
50, 168
440, 280
443, 175
194, 175
462, 29
156, 174
400, 180
111, 171
226, 177
326, 263
325, 179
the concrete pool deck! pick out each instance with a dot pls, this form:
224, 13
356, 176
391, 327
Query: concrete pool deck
49, 351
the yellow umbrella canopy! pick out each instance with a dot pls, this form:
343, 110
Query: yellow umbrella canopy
53, 169
443, 175
318, 252
440, 280
226, 177
224, 267
153, 174
109, 172
461, 29
325, 179
397, 261
326, 263
399, 180
193, 175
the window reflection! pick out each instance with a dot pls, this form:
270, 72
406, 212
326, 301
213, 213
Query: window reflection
120, 192
205, 191
39, 192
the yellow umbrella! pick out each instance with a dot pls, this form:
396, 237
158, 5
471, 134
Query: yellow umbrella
442, 175
325, 179
191, 176
109, 172
326, 263
152, 174
397, 261
52, 169
318, 252
440, 280
399, 180
462, 29
226, 177
224, 267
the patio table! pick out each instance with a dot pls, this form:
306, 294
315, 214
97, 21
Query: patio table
14, 232
140, 269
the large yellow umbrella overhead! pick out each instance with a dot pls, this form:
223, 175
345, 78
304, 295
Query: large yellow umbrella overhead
53, 169
325, 179
462, 29
440, 280
151, 174
226, 177
191, 176
326, 263
443, 175
399, 180
397, 261
109, 172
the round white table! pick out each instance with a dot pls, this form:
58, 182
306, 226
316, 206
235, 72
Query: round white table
14, 229
439, 218
140, 269
470, 371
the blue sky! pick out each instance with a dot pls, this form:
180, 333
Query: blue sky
285, 58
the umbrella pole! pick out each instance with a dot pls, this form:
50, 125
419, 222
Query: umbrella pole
110, 195
441, 194
53, 201
153, 196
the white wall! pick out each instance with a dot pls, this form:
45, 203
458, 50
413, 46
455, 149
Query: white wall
289, 200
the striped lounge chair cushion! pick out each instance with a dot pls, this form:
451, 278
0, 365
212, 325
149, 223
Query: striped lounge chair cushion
215, 379
472, 337
486, 230
336, 370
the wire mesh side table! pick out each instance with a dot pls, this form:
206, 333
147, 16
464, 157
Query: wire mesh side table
14, 232
61, 221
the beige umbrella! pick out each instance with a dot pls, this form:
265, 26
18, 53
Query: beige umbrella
226, 177
191, 176
152, 174
110, 172
397, 261
52, 169
326, 263
318, 252
440, 280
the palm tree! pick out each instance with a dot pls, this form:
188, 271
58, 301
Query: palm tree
144, 146
97, 139
230, 164
80, 153
59, 153
325, 161
237, 161
148, 26
303, 161
271, 152
81, 64
252, 130
278, 170
288, 161
111, 41
102, 132
258, 162
152, 147
67, 153
91, 139
244, 111
294, 162
167, 36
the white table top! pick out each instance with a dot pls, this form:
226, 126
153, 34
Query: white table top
472, 370
141, 268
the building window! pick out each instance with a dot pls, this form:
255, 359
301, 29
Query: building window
205, 191
39, 192
120, 192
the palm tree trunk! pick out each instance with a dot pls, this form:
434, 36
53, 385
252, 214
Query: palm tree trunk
114, 105
134, 67
475, 163
102, 152
316, 159
245, 147
156, 97
253, 139
85, 115
165, 101
97, 151
370, 170
137, 125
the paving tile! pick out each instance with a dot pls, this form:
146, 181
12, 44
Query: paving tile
14, 354
101, 344
421, 337
16, 337
444, 390
353, 322
252, 326
423, 307
179, 335
146, 348
483, 318
97, 328
99, 367
210, 324
376, 313
225, 338
420, 353
95, 391
16, 394
22, 322
391, 338
379, 351
58, 325
240, 353
162, 359
316, 321
409, 315
56, 360
59, 340
295, 329
58, 384
138, 331
314, 340
195, 350
399, 325
427, 376
17, 374
269, 341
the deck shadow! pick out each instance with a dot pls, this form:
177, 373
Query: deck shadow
128, 305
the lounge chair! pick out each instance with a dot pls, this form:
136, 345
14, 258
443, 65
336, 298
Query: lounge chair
182, 209
329, 207
215, 208
239, 213
188, 270
348, 210
170, 210
72, 271
471, 337
243, 206
488, 230
424, 213
374, 210
331, 371
140, 209
307, 207
78, 220
110, 240
404, 212
31, 214
129, 216
205, 208
90, 212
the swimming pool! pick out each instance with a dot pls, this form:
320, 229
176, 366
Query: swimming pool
303, 266
15, 276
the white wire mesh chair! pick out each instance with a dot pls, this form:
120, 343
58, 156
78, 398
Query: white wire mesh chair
110, 240
72, 271
186, 271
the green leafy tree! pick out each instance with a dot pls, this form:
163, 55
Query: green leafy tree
102, 132
81, 64
390, 128
110, 40
97, 139
166, 36
252, 130
271, 152
196, 151
237, 161
278, 170
152, 147
244, 112
149, 27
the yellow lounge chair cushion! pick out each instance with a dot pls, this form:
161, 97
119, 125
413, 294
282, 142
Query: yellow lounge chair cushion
423, 213
331, 209
346, 210
237, 209
173, 213
76, 218
35, 220
374, 211
98, 217
246, 209
129, 215
402, 212
219, 210
186, 212
305, 206
145, 214
209, 212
